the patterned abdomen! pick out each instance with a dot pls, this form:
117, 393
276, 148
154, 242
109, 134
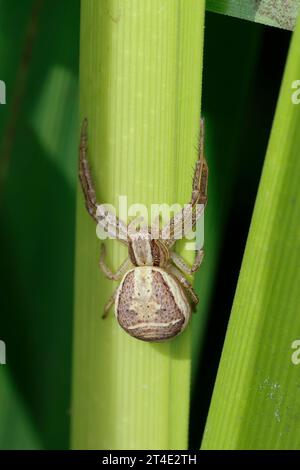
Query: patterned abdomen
151, 305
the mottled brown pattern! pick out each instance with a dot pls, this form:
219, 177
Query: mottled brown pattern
155, 335
159, 308
155, 252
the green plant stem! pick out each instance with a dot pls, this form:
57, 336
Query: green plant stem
140, 88
255, 403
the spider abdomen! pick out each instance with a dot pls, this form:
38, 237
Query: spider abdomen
151, 305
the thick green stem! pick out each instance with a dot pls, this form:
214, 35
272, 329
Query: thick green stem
140, 88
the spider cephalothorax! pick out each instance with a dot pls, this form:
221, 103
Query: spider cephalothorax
144, 251
154, 300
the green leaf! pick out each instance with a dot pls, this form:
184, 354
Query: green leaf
255, 404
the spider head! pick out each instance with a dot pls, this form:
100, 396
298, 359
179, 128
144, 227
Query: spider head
146, 251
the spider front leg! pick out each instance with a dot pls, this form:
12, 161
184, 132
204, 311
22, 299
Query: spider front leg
117, 276
183, 266
85, 174
200, 180
185, 283
106, 219
189, 216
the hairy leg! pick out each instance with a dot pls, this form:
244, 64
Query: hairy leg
185, 283
107, 220
85, 174
191, 213
106, 270
182, 264
109, 303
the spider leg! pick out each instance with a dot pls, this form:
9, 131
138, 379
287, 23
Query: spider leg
191, 213
109, 303
183, 266
117, 276
107, 220
85, 174
185, 283
199, 192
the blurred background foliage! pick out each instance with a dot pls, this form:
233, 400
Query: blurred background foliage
39, 62
39, 48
